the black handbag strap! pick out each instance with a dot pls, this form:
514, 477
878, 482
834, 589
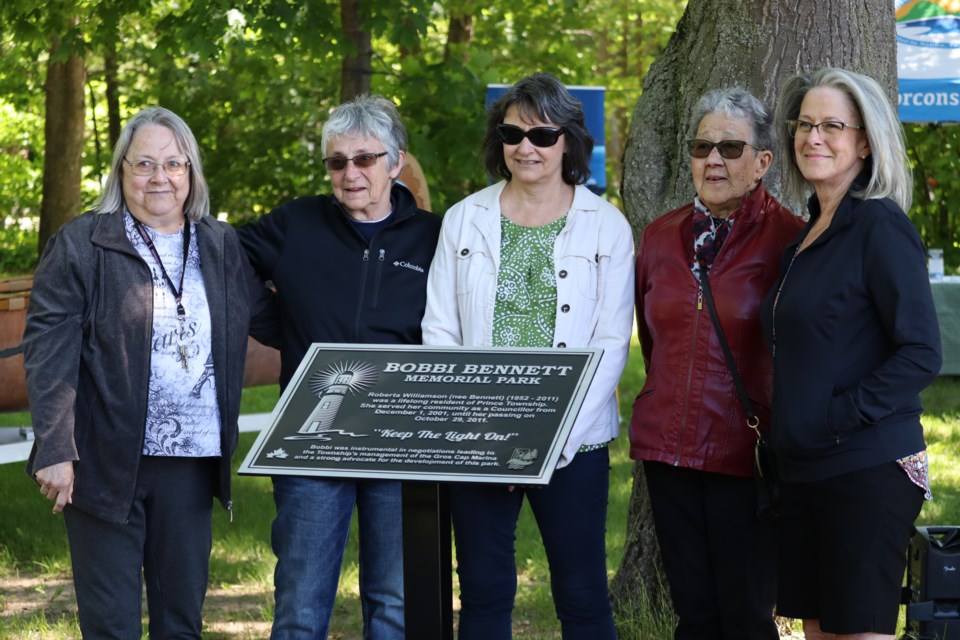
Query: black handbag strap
752, 421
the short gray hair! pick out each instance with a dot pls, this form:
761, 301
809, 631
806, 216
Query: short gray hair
369, 116
736, 102
197, 203
890, 175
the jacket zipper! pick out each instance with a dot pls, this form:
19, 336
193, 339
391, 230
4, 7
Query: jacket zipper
363, 285
146, 404
376, 282
686, 393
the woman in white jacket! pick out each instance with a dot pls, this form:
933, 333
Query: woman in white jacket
537, 260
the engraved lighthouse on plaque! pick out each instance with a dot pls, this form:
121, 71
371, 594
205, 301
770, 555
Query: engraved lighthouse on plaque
331, 386
325, 413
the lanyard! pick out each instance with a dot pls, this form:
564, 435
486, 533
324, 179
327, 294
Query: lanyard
177, 291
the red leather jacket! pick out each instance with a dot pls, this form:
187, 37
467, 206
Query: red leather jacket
688, 413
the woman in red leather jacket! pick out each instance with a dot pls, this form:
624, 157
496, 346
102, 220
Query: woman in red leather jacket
688, 426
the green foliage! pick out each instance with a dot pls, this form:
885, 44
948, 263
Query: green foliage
21, 169
254, 79
934, 153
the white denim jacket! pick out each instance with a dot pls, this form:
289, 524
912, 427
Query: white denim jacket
594, 261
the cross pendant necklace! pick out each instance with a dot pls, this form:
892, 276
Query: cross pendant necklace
177, 291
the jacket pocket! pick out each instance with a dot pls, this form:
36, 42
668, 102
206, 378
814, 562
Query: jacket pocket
472, 267
843, 418
584, 272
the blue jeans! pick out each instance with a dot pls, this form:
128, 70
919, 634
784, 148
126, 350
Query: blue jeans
309, 537
571, 513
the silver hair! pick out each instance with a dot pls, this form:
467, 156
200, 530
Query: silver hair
890, 175
736, 102
197, 203
369, 116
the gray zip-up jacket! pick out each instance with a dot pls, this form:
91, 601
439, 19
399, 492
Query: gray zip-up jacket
87, 353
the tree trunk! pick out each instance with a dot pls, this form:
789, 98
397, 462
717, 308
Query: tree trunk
112, 93
63, 146
356, 69
756, 44
459, 36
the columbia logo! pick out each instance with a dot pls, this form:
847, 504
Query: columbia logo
407, 265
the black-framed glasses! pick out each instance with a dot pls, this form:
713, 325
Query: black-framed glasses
729, 149
172, 168
360, 161
828, 129
538, 136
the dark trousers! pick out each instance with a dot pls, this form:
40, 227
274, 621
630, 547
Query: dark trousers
167, 537
571, 514
720, 560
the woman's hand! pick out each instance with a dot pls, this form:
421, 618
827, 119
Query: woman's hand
56, 483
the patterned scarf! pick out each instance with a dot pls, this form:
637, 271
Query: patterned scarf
709, 234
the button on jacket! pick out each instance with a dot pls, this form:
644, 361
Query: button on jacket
688, 413
593, 259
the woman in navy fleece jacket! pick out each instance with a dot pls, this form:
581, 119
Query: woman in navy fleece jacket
854, 337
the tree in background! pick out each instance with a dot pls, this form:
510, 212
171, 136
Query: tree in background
756, 45
255, 80
934, 152
55, 36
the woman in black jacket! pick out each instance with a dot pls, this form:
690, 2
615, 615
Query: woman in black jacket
134, 350
854, 338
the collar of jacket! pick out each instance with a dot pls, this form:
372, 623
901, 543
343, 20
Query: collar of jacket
489, 200
403, 201
751, 206
842, 218
110, 233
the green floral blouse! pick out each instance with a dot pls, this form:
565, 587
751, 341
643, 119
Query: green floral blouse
526, 307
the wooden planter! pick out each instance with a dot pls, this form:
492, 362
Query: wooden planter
14, 298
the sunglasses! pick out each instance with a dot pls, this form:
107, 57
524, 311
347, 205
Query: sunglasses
362, 161
538, 136
729, 149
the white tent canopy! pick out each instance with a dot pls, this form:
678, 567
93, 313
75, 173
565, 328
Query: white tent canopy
928, 60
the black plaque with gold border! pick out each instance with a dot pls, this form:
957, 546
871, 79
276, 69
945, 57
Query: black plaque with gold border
461, 414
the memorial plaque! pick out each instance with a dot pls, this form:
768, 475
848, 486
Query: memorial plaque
461, 414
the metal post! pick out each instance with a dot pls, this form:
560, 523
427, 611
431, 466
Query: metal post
427, 561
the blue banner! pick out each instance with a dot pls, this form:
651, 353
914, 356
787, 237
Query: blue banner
929, 100
928, 60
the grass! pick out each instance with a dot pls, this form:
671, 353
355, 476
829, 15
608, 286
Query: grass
33, 544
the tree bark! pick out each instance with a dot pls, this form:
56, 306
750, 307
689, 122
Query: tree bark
755, 44
356, 69
63, 146
459, 37
110, 72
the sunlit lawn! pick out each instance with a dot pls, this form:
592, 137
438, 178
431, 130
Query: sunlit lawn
32, 542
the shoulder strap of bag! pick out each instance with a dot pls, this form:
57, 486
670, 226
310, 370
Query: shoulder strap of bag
752, 421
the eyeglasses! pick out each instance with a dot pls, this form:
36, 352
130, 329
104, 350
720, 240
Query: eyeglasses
828, 129
538, 136
729, 149
172, 168
360, 161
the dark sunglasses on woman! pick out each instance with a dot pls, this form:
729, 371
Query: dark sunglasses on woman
538, 136
362, 161
729, 149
